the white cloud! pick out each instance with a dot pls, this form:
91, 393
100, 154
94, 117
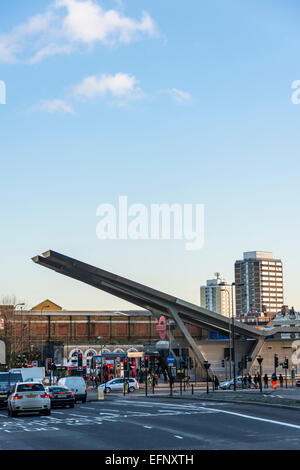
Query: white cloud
178, 95
55, 106
67, 23
122, 86
87, 22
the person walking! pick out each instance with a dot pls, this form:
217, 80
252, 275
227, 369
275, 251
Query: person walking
216, 383
281, 380
249, 380
274, 381
255, 381
266, 381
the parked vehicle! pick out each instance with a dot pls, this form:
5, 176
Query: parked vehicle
229, 385
77, 385
118, 384
27, 373
297, 383
61, 396
28, 397
7, 382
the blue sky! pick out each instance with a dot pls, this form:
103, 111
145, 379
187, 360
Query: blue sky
188, 103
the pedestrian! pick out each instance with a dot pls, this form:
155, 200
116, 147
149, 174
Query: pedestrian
274, 381
281, 380
266, 381
249, 380
255, 381
216, 383
259, 381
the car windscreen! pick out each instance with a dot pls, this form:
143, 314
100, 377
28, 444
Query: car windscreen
30, 388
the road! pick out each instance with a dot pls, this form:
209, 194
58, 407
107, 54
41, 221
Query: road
121, 424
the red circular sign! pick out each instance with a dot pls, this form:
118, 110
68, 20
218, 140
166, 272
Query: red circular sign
162, 327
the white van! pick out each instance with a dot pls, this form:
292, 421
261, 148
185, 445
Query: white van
76, 385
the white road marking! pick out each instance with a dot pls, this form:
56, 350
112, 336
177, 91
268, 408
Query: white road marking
148, 427
78, 416
280, 423
179, 437
58, 412
86, 408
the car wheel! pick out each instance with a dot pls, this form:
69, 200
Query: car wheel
131, 389
231, 387
46, 413
108, 389
84, 400
14, 414
72, 406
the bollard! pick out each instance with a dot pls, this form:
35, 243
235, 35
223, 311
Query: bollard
192, 389
100, 393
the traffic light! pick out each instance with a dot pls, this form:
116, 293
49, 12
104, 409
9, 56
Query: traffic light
286, 363
223, 363
191, 363
48, 364
146, 361
276, 361
79, 360
125, 364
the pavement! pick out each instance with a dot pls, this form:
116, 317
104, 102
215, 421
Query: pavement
137, 423
289, 397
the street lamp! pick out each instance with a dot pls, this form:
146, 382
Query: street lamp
229, 330
42, 349
100, 338
233, 333
259, 360
15, 306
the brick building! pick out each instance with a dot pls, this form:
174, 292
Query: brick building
49, 330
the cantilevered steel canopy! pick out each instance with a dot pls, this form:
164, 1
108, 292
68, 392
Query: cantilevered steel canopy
153, 300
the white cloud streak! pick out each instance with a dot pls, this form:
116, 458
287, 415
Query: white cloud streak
179, 96
55, 106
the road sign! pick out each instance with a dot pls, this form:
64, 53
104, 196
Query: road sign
161, 327
34, 363
171, 360
118, 364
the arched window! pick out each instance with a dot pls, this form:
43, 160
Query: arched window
105, 350
90, 353
119, 350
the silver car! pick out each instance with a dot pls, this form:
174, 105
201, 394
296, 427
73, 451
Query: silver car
28, 397
118, 384
229, 385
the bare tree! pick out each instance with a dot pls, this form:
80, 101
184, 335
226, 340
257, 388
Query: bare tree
14, 331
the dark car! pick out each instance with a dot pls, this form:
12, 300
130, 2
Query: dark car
297, 383
61, 396
7, 382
